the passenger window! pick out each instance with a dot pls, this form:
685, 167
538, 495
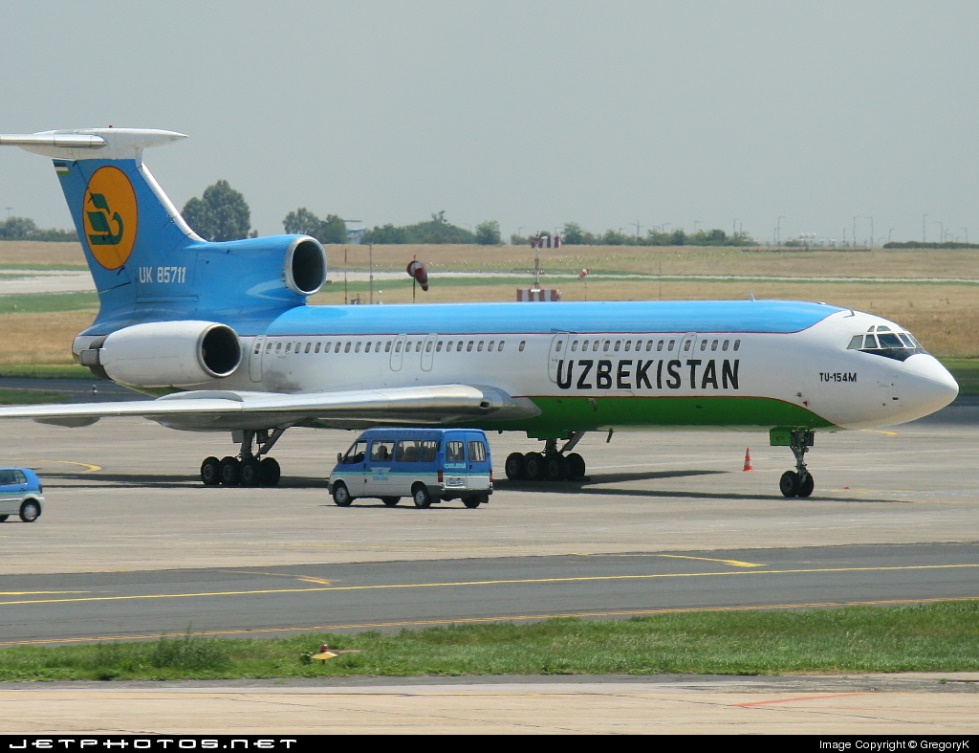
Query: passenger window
454, 452
407, 451
357, 349
382, 451
479, 346
438, 347
477, 451
428, 449
318, 344
737, 345
308, 346
522, 344
618, 344
499, 347
346, 348
387, 347
367, 347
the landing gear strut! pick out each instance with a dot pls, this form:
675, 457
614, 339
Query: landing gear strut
551, 465
798, 483
249, 468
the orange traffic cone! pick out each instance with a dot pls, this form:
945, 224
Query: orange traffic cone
747, 459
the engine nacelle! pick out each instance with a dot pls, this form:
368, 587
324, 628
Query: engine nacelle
165, 354
258, 274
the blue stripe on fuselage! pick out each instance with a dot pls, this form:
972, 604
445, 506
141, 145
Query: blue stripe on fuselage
582, 317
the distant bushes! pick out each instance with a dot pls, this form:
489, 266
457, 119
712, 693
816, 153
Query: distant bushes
24, 229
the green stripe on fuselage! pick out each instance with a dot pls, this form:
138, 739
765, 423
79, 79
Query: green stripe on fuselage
561, 415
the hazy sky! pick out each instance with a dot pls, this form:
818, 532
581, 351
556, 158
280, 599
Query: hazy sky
533, 113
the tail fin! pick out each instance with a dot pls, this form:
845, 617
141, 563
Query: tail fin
125, 222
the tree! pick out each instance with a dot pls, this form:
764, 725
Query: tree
221, 214
488, 233
303, 222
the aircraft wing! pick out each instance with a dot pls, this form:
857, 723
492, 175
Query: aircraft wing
226, 409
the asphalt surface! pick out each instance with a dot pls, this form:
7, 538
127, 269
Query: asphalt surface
897, 509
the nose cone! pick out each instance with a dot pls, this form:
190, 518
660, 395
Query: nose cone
929, 385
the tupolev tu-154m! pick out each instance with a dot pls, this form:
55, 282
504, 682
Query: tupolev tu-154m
227, 329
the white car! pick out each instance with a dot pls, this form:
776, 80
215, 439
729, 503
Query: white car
21, 493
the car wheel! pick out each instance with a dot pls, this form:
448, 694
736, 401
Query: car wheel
30, 511
421, 496
341, 495
390, 501
3, 518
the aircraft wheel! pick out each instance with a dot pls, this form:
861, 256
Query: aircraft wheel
806, 487
515, 466
421, 495
251, 471
269, 472
390, 501
789, 484
533, 466
230, 471
211, 471
555, 468
576, 466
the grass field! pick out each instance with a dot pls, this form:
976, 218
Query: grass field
933, 293
940, 637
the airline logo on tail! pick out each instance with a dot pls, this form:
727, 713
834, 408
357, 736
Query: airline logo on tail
110, 214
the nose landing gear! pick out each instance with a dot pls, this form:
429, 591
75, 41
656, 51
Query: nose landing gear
797, 483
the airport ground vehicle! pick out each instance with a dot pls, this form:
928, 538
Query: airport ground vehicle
429, 465
21, 493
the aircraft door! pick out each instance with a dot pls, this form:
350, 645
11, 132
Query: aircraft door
255, 362
558, 347
687, 343
428, 352
398, 351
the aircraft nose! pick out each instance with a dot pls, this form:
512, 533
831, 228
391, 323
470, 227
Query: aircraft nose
931, 387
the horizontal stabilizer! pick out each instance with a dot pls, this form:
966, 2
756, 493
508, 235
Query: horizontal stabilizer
91, 143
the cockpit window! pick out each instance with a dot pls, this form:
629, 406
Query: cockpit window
880, 340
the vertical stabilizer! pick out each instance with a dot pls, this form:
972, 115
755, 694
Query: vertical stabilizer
125, 222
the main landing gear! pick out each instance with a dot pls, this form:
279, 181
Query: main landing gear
249, 468
798, 483
551, 465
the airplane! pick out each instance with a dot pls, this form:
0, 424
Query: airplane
226, 332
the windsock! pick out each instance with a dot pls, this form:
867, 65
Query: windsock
418, 271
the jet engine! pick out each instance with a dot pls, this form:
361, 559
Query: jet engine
165, 354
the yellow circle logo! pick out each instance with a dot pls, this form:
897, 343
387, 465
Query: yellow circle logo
110, 216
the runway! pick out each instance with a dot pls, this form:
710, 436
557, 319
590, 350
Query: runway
135, 538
